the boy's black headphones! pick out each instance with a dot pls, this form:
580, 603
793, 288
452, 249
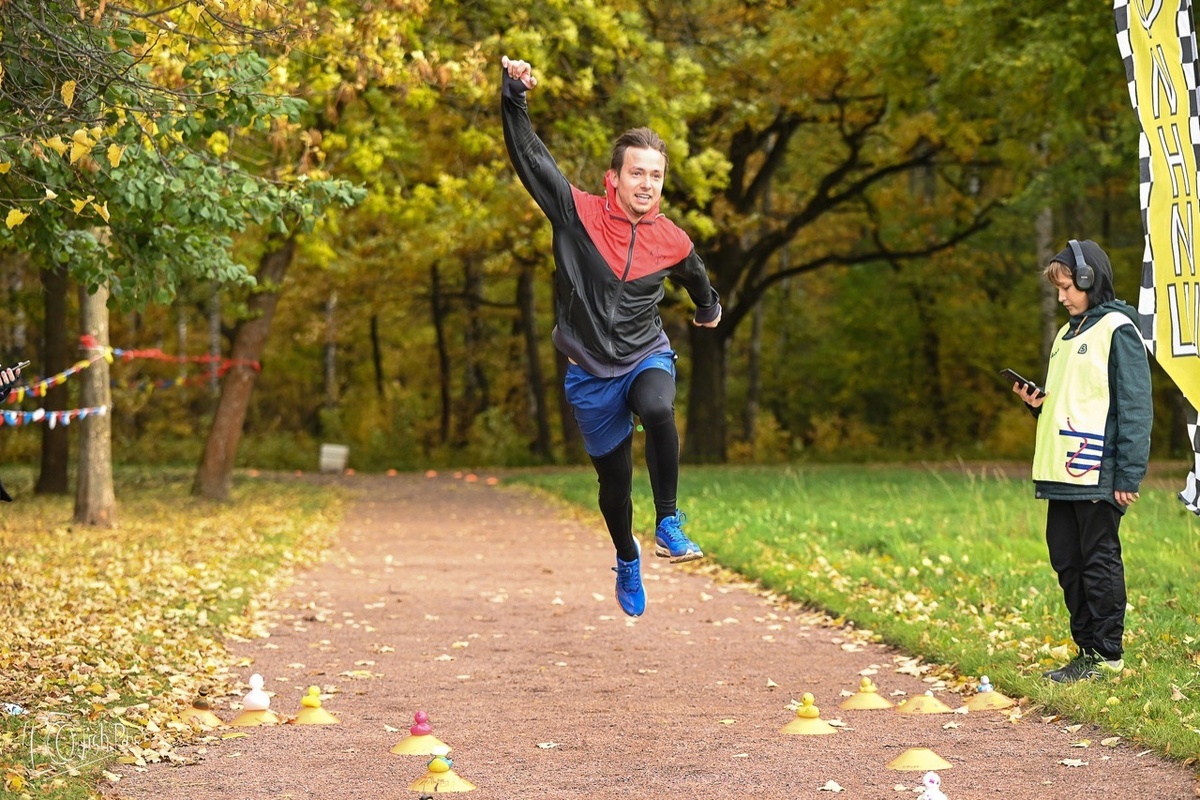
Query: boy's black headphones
1082, 274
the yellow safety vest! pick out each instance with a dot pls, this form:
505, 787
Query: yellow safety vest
1070, 428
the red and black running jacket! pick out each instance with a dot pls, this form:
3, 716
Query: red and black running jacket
609, 271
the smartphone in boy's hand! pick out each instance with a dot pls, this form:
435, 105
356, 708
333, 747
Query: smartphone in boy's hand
6, 385
1013, 377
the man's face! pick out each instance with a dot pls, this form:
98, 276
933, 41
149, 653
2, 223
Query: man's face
1073, 299
639, 184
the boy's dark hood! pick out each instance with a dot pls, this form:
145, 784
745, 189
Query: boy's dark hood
1102, 290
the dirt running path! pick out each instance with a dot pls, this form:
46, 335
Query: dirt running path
494, 613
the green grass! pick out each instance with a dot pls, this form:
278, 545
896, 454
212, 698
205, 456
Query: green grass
950, 564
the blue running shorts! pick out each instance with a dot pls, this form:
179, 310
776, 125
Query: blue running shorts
600, 403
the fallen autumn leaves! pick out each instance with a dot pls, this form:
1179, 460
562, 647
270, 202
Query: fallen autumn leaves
106, 634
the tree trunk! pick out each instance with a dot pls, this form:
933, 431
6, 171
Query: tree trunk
476, 396
56, 357
181, 345
214, 340
15, 338
1043, 228
537, 382
377, 355
95, 501
754, 357
331, 387
443, 354
214, 478
573, 449
753, 378
704, 439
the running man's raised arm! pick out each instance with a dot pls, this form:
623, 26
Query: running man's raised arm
535, 166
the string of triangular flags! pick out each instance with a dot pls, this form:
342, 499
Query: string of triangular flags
39, 388
96, 352
51, 418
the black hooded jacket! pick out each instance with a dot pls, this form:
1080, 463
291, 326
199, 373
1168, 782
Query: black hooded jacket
1130, 408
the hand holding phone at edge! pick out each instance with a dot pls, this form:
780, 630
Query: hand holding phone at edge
8, 376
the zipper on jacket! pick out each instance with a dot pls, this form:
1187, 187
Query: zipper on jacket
612, 312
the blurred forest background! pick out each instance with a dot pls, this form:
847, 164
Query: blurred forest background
323, 188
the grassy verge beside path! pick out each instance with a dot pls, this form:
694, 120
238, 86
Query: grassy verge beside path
950, 564
106, 634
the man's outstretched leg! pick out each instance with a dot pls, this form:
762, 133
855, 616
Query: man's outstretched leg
652, 398
615, 473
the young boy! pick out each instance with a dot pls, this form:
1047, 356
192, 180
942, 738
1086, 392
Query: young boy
1091, 453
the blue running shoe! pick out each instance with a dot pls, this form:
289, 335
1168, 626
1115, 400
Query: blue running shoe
630, 592
671, 542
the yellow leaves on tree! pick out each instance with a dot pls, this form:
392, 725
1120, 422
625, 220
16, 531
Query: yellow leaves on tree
218, 143
15, 217
68, 93
81, 144
56, 144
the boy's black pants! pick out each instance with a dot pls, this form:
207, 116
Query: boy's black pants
1085, 551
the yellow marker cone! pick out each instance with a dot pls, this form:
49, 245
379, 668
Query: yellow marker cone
866, 698
924, 704
808, 720
440, 777
918, 759
987, 699
311, 712
251, 717
420, 740
201, 714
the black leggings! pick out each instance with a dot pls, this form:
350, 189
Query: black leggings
652, 398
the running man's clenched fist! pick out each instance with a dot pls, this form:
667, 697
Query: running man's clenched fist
519, 71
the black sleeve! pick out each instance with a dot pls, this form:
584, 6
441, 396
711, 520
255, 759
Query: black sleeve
535, 166
692, 275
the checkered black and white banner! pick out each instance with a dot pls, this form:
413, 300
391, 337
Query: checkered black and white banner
1157, 41
1191, 492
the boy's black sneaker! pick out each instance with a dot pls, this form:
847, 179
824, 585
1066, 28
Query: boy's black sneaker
1085, 667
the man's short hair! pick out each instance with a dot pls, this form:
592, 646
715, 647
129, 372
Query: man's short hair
636, 137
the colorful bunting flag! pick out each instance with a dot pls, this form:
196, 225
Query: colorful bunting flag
96, 352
